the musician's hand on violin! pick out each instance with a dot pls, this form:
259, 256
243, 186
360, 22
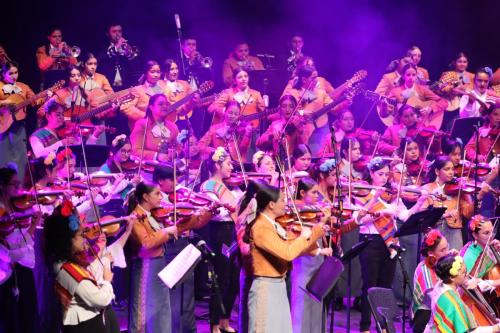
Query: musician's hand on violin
99, 129
162, 157
327, 252
425, 111
136, 180
451, 214
496, 244
306, 233
472, 283
131, 220
486, 285
375, 136
172, 230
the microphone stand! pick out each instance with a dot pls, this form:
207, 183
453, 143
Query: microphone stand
179, 40
476, 160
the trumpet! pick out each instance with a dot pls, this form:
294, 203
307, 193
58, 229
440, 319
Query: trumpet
205, 62
123, 49
66, 51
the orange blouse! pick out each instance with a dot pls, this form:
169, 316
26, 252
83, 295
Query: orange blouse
46, 62
137, 109
156, 135
218, 136
176, 91
231, 64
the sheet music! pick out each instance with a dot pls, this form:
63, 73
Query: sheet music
182, 263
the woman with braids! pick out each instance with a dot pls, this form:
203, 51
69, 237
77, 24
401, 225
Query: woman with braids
149, 309
449, 313
85, 298
434, 247
221, 230
271, 251
306, 312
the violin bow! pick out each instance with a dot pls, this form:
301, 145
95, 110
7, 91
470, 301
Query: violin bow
291, 201
143, 145
175, 185
238, 155
460, 187
350, 170
403, 169
477, 267
32, 179
493, 145
376, 147
425, 157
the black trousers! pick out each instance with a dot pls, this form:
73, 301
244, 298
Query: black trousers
96, 324
227, 271
420, 321
377, 270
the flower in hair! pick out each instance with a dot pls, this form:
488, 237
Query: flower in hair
328, 165
67, 208
489, 71
69, 211
375, 161
475, 222
74, 223
219, 154
64, 154
459, 140
182, 136
50, 158
432, 236
257, 157
116, 141
455, 267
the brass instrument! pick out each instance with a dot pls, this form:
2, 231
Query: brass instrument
123, 49
68, 52
201, 61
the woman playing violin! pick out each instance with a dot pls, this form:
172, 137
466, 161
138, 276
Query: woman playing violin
489, 138
155, 137
271, 251
221, 230
249, 100
263, 162
440, 173
85, 299
434, 247
306, 312
406, 126
449, 312
150, 308
223, 134
270, 139
377, 263
353, 163
16, 237
475, 102
453, 148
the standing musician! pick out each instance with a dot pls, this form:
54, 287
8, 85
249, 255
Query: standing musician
149, 309
449, 312
84, 297
391, 80
352, 163
250, 100
49, 139
239, 58
150, 84
320, 81
345, 127
55, 57
406, 126
223, 134
270, 140
92, 80
475, 102
177, 89
434, 247
271, 251
118, 58
311, 98
13, 140
429, 105
18, 285
489, 138
294, 53
198, 69
457, 203
307, 313
415, 55
221, 230
481, 265
155, 137
377, 260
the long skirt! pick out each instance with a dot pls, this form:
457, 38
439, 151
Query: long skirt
150, 298
268, 307
307, 313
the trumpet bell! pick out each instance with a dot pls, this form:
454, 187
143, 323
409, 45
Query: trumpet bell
75, 51
206, 62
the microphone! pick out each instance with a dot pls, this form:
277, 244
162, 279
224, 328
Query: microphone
266, 100
265, 55
177, 21
204, 248
398, 248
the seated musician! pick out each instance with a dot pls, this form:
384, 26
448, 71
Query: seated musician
17, 288
345, 127
250, 100
455, 82
453, 148
301, 158
231, 133
449, 312
177, 89
92, 80
415, 55
155, 137
391, 79
150, 84
150, 308
239, 58
263, 163
476, 101
351, 164
489, 138
271, 138
430, 106
47, 139
407, 126
479, 265
54, 57
13, 138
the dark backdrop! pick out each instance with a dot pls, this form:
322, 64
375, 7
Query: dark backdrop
342, 36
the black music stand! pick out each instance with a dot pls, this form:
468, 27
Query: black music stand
463, 128
418, 222
96, 154
346, 260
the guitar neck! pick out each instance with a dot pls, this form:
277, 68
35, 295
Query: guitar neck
259, 115
181, 102
327, 108
93, 112
30, 100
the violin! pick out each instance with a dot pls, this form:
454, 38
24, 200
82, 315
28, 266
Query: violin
428, 131
238, 179
101, 179
70, 129
293, 225
452, 187
9, 221
109, 226
188, 216
361, 164
27, 199
199, 200
468, 168
413, 168
129, 166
